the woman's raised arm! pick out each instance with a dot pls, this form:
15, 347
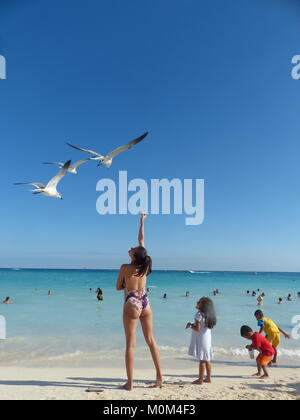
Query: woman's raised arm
141, 236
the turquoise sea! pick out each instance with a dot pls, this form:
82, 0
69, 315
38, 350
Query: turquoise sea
71, 325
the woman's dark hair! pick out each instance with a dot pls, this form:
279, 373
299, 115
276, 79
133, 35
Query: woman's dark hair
208, 311
143, 261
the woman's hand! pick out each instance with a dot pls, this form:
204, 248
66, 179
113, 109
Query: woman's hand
143, 216
141, 235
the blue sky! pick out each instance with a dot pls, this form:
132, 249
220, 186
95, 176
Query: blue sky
211, 81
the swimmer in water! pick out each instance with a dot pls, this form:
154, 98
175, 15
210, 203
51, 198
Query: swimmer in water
260, 300
7, 301
99, 294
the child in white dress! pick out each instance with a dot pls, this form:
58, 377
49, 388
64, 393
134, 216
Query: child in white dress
200, 347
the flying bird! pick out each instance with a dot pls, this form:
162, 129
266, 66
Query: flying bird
72, 168
107, 160
49, 189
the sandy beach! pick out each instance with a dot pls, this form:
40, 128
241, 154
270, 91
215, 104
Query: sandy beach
230, 382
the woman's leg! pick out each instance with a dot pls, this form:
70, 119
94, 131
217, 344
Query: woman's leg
130, 324
147, 326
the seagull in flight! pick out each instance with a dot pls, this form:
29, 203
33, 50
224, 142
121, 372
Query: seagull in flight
49, 189
72, 168
107, 160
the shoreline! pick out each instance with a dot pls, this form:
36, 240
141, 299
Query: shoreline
115, 358
229, 382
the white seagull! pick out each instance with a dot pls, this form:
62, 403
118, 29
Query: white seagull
49, 189
72, 168
107, 160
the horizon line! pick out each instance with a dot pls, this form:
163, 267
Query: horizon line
197, 271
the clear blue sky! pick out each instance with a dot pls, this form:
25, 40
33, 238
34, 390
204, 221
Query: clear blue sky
210, 80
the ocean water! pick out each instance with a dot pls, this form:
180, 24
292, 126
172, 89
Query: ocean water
72, 325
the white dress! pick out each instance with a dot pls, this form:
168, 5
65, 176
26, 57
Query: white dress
200, 346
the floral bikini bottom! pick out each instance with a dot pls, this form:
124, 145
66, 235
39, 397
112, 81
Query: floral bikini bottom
136, 301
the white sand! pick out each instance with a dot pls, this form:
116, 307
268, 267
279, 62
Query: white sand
229, 382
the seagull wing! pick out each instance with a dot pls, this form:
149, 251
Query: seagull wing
80, 162
55, 180
85, 150
53, 163
36, 184
126, 147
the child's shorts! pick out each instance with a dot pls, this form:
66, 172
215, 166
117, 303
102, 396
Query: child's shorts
274, 339
264, 360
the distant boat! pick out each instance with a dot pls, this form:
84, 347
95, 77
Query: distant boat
198, 272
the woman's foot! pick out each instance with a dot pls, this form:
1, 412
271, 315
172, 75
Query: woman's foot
264, 377
159, 382
207, 380
127, 386
257, 374
198, 382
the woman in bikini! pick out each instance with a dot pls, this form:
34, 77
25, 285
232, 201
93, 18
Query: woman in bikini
132, 279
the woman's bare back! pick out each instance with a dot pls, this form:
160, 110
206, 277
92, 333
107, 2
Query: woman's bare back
132, 281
